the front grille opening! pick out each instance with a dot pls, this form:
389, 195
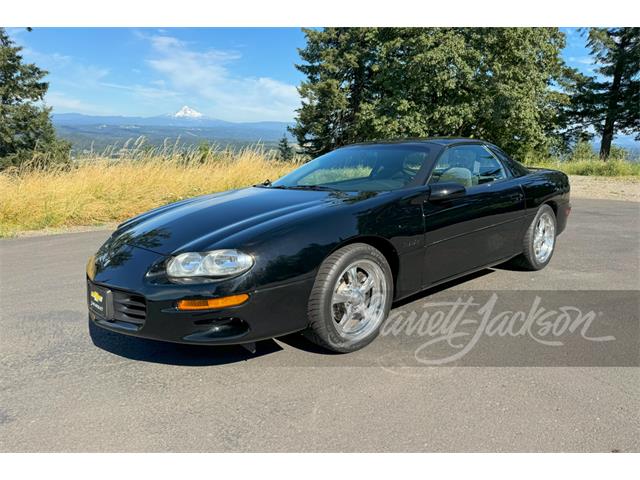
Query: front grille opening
129, 308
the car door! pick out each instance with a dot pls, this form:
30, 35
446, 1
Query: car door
478, 228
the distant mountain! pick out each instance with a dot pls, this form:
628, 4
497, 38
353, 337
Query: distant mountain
187, 112
186, 116
188, 125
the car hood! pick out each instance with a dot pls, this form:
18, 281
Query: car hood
198, 223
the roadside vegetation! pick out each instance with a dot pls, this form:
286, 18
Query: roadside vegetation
97, 190
583, 160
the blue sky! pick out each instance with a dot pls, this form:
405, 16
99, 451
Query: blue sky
236, 74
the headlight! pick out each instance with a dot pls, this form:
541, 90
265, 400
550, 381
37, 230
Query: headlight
218, 263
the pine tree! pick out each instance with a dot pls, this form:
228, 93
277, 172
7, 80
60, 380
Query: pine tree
285, 150
375, 83
26, 130
610, 102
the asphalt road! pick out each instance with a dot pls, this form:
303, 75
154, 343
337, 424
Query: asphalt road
64, 389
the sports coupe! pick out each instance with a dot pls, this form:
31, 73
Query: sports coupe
328, 248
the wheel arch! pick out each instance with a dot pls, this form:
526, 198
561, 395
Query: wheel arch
554, 206
383, 245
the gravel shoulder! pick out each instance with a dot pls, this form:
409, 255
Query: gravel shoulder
605, 188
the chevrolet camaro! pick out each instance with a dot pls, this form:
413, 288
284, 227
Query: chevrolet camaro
328, 248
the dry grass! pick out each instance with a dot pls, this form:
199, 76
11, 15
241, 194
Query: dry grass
598, 168
98, 190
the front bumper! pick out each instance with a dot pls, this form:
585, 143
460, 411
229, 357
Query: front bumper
268, 313
139, 308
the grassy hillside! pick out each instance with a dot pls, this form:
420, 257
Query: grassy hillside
97, 190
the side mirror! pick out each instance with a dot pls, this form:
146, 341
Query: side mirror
420, 194
446, 191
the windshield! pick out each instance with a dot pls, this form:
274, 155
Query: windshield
363, 168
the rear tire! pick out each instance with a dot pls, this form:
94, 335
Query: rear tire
350, 299
539, 241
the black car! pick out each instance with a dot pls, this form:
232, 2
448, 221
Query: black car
327, 248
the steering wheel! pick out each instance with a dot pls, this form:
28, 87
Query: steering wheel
402, 174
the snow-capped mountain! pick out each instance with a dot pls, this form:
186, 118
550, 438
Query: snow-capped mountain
189, 125
187, 112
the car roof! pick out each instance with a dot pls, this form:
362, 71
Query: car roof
443, 141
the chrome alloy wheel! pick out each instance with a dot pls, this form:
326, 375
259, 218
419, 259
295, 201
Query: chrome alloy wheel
359, 299
544, 237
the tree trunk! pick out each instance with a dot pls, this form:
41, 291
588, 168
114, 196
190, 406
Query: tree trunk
612, 107
607, 138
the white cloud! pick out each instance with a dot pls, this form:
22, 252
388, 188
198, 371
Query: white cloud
144, 91
65, 70
205, 75
49, 60
581, 60
63, 103
87, 75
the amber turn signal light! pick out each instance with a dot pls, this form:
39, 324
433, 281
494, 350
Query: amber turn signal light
213, 303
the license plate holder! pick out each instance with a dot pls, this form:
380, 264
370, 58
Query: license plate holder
100, 301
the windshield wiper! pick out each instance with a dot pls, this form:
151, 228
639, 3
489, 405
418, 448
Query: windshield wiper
268, 184
310, 187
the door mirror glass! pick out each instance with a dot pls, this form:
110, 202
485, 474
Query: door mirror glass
446, 191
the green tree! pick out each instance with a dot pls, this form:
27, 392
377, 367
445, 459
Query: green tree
373, 83
609, 103
26, 131
285, 150
583, 150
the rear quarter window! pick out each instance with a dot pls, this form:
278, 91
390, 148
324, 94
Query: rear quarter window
517, 169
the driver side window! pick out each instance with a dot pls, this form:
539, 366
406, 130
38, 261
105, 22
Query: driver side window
467, 165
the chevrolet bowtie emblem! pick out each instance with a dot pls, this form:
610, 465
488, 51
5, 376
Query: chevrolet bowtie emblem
96, 296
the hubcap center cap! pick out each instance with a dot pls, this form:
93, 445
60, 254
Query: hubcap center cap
357, 298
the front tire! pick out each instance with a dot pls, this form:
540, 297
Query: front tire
350, 299
539, 240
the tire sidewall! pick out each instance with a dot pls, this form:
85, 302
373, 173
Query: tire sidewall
350, 255
531, 234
